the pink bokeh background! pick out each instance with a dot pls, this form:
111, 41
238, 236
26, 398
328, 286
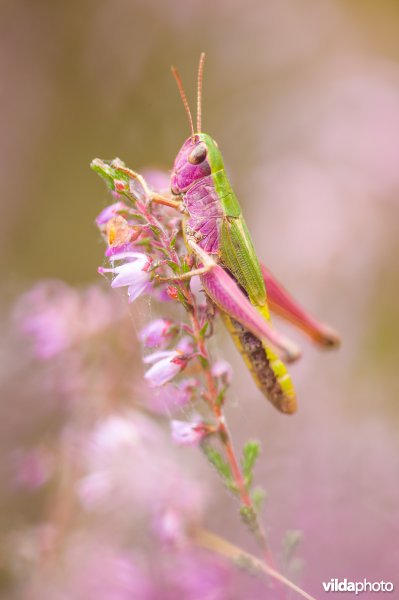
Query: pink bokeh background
303, 99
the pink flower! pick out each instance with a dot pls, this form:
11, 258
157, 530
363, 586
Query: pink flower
31, 468
110, 480
190, 433
110, 211
201, 575
173, 396
46, 315
223, 370
94, 489
133, 274
55, 316
178, 510
167, 364
95, 567
157, 333
115, 432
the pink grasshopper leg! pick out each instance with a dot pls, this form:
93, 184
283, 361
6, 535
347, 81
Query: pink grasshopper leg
229, 298
282, 304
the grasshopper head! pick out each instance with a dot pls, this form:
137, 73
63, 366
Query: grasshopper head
198, 157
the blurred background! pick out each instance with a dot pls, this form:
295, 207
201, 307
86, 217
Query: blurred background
303, 99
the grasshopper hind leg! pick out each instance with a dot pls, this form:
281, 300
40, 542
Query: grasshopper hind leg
268, 371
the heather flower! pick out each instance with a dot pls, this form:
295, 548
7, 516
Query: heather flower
119, 233
120, 471
46, 315
157, 333
114, 433
112, 251
190, 434
31, 468
132, 274
114, 446
179, 507
169, 527
55, 316
173, 396
223, 370
167, 364
198, 575
96, 568
94, 490
162, 294
109, 212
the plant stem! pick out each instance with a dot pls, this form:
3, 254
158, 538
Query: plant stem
226, 440
214, 543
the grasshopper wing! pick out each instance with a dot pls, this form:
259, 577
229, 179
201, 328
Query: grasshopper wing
238, 255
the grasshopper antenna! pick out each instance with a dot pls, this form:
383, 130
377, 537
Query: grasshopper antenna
183, 97
199, 90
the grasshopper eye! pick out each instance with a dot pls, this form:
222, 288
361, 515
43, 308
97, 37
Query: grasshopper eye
198, 155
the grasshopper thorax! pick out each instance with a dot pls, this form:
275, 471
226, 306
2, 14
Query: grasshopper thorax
197, 158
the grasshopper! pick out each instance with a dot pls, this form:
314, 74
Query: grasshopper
232, 276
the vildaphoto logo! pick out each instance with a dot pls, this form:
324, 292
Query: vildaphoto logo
344, 585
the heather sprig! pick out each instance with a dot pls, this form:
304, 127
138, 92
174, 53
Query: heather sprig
147, 254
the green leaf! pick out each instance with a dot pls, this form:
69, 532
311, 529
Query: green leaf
291, 540
143, 242
251, 452
155, 230
185, 267
182, 299
258, 498
104, 170
138, 216
221, 466
250, 518
220, 397
174, 238
204, 362
175, 268
203, 330
246, 563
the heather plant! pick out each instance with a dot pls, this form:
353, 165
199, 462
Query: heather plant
147, 254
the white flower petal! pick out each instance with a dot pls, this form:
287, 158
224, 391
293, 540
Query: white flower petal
156, 356
187, 434
162, 372
129, 254
136, 289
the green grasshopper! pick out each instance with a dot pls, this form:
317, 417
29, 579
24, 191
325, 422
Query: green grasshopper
231, 274
219, 243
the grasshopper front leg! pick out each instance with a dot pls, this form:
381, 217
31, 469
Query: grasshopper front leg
166, 201
207, 264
